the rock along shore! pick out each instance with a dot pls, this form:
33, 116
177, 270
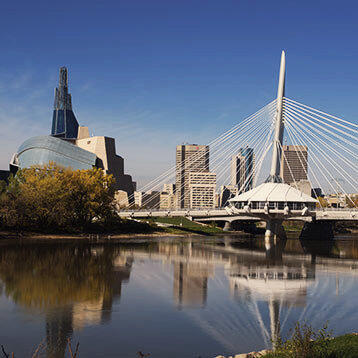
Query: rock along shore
248, 355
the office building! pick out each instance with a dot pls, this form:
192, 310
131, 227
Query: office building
169, 188
294, 163
202, 187
189, 158
167, 197
242, 169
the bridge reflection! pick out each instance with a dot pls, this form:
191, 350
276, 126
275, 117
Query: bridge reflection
75, 286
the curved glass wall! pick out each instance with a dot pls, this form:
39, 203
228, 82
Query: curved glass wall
44, 149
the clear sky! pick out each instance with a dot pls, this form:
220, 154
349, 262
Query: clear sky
154, 74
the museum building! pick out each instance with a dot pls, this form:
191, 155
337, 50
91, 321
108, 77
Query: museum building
70, 144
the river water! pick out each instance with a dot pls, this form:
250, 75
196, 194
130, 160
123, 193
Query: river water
172, 297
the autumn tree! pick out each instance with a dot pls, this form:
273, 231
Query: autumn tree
52, 196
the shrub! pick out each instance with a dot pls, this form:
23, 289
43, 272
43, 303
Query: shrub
304, 343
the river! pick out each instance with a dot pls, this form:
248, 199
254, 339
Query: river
172, 297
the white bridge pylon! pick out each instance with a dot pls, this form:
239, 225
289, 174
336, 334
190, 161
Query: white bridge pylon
331, 163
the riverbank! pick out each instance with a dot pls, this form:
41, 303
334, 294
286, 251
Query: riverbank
125, 229
345, 346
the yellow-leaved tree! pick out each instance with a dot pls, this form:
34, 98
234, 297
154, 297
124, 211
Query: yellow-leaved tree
52, 196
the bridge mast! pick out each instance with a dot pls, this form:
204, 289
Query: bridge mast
279, 126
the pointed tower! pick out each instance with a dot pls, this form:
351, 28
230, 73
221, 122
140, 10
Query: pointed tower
64, 122
279, 126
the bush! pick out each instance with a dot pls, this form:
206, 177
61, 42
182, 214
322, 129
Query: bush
307, 343
304, 343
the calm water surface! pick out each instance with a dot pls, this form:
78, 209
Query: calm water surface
172, 298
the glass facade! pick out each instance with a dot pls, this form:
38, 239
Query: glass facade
44, 149
64, 122
242, 167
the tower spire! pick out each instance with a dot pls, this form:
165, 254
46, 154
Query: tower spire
62, 96
64, 122
279, 126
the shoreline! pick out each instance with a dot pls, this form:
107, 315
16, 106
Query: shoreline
8, 235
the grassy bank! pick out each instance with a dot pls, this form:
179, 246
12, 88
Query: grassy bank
118, 229
182, 225
345, 346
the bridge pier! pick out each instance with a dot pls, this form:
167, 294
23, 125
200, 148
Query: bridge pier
274, 230
227, 226
275, 240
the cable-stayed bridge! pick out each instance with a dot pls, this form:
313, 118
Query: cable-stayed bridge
332, 164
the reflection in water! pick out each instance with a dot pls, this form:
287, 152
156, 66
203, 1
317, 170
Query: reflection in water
75, 285
269, 279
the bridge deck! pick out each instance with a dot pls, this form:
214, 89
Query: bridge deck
222, 214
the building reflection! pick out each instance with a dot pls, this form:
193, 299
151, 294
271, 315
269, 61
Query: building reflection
190, 285
77, 286
190, 277
270, 279
276, 274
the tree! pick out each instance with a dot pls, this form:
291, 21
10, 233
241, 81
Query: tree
50, 196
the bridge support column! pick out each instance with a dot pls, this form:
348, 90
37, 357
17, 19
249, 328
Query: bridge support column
275, 240
274, 231
227, 226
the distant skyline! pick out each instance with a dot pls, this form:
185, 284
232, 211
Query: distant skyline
150, 73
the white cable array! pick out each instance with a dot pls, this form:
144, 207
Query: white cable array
302, 121
296, 121
162, 178
314, 110
322, 168
228, 145
227, 136
305, 115
332, 142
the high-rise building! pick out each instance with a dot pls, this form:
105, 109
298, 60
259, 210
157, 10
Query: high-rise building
202, 187
189, 158
242, 169
294, 163
64, 122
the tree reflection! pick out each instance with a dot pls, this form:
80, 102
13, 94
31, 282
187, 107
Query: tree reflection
73, 285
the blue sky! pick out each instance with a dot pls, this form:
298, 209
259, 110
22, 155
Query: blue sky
154, 74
